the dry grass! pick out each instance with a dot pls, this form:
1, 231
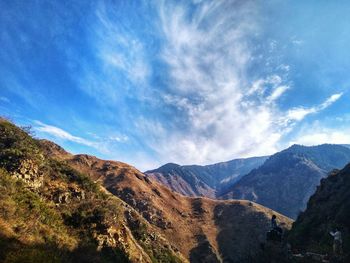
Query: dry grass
188, 220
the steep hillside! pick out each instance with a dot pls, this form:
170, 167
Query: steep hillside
287, 179
328, 208
208, 180
50, 212
202, 229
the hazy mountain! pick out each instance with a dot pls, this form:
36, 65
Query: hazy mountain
328, 208
207, 180
77, 208
288, 178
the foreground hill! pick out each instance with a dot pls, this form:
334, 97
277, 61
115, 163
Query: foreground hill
328, 208
207, 180
50, 212
287, 179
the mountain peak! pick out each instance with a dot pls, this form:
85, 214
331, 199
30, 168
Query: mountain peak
165, 168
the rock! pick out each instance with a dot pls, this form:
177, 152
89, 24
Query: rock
28, 171
77, 193
61, 197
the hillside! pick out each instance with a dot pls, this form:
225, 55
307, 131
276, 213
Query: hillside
287, 179
208, 180
50, 212
328, 208
203, 230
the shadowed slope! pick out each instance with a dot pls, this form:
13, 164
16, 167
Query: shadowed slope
288, 178
328, 207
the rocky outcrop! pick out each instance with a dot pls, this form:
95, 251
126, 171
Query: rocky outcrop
144, 207
63, 196
28, 171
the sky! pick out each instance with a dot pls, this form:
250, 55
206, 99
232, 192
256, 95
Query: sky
190, 82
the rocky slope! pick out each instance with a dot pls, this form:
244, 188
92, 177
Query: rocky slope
287, 179
50, 212
328, 208
208, 180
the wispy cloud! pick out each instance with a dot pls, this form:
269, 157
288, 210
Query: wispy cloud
193, 63
107, 145
122, 138
121, 67
62, 134
225, 112
299, 113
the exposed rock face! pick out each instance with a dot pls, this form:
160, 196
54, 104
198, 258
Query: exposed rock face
287, 179
328, 207
208, 180
28, 171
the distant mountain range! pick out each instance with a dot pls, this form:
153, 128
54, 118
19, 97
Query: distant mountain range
288, 178
283, 182
207, 180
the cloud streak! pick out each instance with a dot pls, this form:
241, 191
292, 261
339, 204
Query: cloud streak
62, 134
299, 113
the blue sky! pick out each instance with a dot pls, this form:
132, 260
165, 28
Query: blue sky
150, 82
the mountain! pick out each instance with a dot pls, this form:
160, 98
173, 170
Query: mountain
287, 179
51, 212
202, 229
208, 180
59, 207
328, 207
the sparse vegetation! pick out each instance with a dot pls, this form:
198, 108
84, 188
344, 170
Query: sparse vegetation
67, 218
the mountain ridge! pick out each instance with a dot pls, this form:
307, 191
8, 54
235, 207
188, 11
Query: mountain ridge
204, 180
288, 178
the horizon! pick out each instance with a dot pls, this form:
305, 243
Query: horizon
190, 82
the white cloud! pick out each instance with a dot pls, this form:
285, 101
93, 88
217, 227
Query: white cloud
277, 92
121, 68
62, 134
316, 134
119, 47
223, 115
122, 138
221, 112
297, 114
